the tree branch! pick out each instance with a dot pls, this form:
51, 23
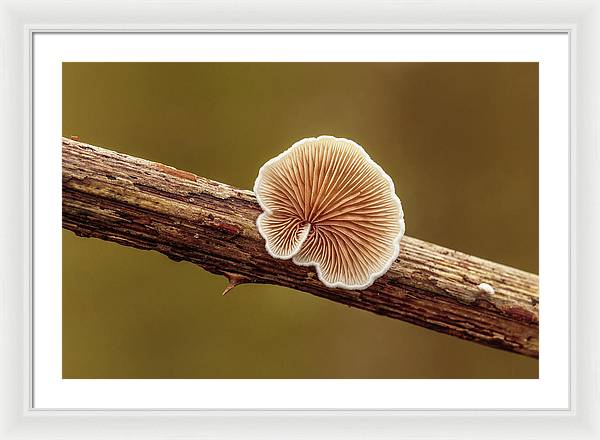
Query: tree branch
148, 205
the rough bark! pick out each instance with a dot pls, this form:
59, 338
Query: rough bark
147, 205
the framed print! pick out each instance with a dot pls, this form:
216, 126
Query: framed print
271, 225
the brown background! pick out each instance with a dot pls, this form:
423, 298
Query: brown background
460, 141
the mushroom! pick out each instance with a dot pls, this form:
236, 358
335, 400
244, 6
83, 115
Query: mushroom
327, 204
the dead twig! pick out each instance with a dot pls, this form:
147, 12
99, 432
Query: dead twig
151, 206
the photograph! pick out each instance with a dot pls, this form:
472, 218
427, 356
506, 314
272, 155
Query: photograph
300, 220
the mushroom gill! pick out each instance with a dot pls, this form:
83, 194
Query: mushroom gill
327, 204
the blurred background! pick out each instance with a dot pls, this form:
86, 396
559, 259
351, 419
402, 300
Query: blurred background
460, 141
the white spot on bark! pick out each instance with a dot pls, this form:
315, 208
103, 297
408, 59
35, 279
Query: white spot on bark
485, 287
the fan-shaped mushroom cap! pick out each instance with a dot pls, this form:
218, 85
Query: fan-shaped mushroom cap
327, 204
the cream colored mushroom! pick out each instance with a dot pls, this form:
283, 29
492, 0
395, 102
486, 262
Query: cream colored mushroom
327, 204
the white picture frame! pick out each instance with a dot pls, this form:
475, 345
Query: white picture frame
19, 21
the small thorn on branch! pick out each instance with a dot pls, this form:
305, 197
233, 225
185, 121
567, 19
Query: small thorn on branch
234, 280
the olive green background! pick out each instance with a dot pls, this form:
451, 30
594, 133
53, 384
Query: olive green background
460, 141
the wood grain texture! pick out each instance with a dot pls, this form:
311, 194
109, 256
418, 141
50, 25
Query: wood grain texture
147, 205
